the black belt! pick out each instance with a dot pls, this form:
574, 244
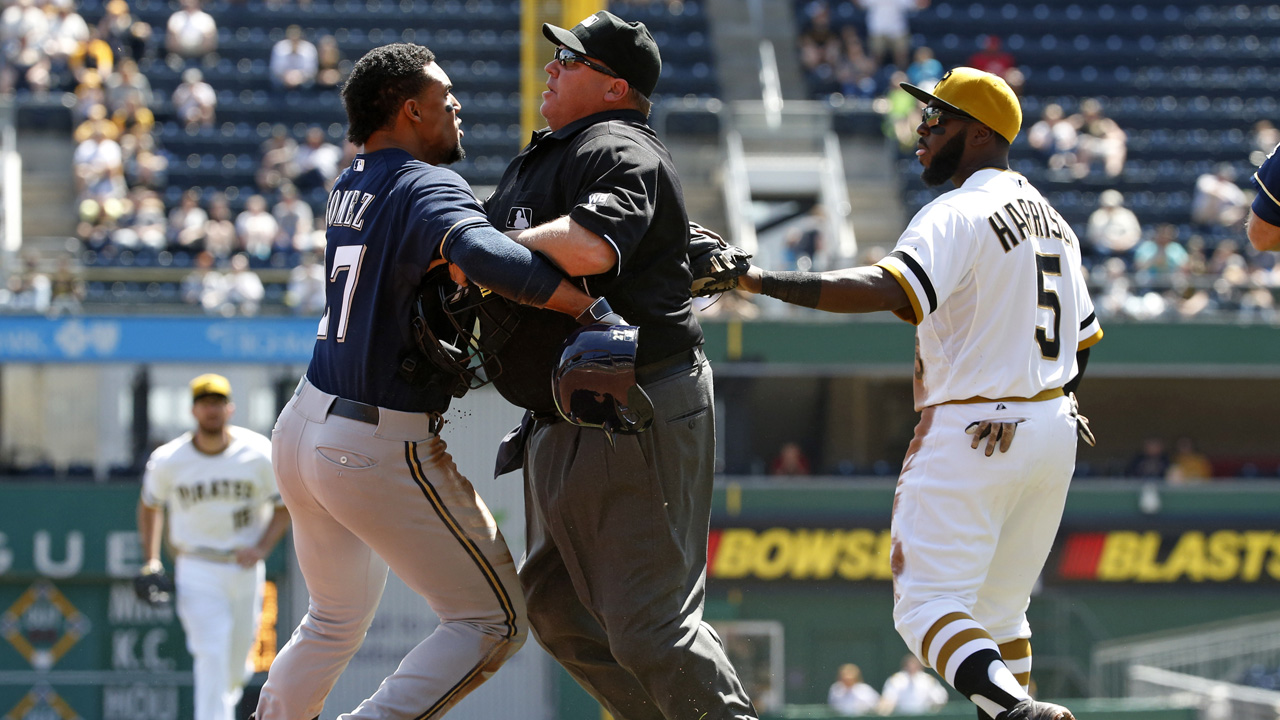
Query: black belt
668, 366
353, 410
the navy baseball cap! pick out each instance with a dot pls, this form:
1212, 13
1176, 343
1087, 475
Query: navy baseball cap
626, 47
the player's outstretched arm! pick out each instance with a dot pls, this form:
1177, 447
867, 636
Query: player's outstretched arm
276, 528
494, 261
853, 290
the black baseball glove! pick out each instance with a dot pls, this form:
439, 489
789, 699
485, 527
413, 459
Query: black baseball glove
154, 588
715, 264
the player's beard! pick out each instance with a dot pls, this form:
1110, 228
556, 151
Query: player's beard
455, 155
946, 161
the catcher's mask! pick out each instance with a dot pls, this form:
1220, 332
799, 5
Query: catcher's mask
595, 383
445, 327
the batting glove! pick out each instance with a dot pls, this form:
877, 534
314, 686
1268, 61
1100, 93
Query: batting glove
997, 432
1082, 423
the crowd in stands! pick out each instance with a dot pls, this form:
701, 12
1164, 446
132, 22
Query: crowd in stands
128, 211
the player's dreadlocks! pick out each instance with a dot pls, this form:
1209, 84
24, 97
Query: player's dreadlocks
379, 84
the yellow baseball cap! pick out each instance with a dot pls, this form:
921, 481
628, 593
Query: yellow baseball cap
985, 97
210, 384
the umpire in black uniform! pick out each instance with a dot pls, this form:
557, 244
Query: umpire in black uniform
615, 569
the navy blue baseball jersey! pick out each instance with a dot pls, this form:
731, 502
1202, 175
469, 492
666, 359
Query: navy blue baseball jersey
388, 217
1267, 181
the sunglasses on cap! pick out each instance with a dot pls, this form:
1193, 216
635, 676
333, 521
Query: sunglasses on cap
567, 58
931, 116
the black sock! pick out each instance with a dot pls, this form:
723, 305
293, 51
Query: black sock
973, 678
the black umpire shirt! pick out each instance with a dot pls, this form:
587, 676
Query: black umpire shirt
610, 174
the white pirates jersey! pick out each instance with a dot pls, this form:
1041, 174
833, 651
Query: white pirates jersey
217, 502
993, 273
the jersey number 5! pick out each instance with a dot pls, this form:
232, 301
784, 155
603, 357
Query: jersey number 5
348, 258
1049, 266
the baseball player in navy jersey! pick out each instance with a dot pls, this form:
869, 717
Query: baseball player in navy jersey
225, 516
357, 451
990, 273
1264, 216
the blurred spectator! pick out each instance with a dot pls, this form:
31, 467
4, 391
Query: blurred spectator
849, 695
902, 115
295, 220
220, 230
314, 241
256, 228
317, 162
127, 36
306, 291
329, 64
1159, 257
806, 239
23, 19
28, 290
1054, 138
1218, 202
194, 100
887, 31
99, 166
144, 223
132, 118
294, 61
1189, 465
1151, 462
912, 691
204, 285
1113, 230
925, 70
820, 47
244, 288
144, 166
67, 33
790, 460
187, 223
1100, 140
25, 67
127, 82
66, 289
96, 121
1264, 137
88, 93
94, 54
991, 57
191, 32
279, 154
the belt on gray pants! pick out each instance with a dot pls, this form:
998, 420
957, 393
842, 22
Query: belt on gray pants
670, 365
353, 410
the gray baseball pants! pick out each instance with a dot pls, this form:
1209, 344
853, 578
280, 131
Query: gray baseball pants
615, 569
364, 496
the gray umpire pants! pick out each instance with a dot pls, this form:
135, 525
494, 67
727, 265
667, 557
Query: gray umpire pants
615, 570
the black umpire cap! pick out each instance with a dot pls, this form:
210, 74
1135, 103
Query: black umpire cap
626, 47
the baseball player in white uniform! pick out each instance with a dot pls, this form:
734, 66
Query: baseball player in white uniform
990, 273
225, 516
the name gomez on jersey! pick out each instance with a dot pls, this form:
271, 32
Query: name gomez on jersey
994, 278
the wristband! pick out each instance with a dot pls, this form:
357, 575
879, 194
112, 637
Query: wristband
796, 288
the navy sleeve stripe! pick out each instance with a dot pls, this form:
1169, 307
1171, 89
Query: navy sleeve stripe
920, 274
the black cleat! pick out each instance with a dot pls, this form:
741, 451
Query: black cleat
1032, 710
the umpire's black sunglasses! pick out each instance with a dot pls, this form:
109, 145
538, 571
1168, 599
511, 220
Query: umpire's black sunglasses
567, 57
931, 116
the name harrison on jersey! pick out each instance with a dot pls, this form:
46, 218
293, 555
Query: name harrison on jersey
1030, 219
189, 495
346, 208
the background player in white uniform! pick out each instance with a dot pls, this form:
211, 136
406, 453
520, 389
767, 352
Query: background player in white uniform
225, 516
991, 275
